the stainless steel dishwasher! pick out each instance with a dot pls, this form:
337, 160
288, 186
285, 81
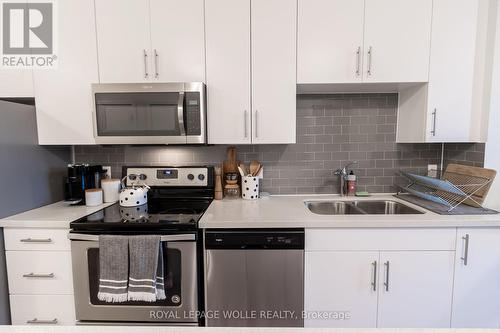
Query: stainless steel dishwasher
254, 277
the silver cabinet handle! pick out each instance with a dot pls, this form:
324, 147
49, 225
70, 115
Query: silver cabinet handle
36, 240
157, 74
34, 275
256, 123
386, 283
146, 74
465, 258
358, 61
245, 115
41, 321
369, 71
374, 281
434, 116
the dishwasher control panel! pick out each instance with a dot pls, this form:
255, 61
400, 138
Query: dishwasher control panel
255, 239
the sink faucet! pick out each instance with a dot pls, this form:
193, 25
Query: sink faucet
342, 173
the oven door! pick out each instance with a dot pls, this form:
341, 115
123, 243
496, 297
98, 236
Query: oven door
156, 113
181, 285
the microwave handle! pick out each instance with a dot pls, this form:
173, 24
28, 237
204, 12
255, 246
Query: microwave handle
180, 113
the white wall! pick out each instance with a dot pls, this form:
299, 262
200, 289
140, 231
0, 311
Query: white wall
492, 157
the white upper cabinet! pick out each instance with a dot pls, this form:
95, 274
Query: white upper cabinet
150, 40
63, 95
330, 41
251, 71
384, 41
397, 40
452, 107
476, 297
177, 38
452, 70
227, 25
274, 70
123, 39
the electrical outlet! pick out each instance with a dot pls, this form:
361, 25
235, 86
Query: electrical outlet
432, 170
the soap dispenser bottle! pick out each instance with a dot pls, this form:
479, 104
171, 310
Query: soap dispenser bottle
351, 184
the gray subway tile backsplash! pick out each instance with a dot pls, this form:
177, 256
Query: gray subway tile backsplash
331, 131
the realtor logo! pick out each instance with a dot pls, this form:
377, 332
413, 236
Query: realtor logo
28, 34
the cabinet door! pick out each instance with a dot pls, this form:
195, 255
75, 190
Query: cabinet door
330, 41
476, 296
451, 76
341, 282
397, 40
274, 70
178, 42
63, 95
227, 27
415, 289
123, 39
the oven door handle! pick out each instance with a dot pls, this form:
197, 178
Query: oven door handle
163, 238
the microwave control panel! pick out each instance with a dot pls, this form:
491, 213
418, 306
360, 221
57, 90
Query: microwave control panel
192, 111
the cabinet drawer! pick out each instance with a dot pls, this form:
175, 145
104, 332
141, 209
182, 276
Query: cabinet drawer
39, 273
438, 239
26, 239
42, 310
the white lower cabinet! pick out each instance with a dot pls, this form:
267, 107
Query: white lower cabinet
341, 282
415, 289
42, 310
381, 283
476, 297
39, 272
40, 276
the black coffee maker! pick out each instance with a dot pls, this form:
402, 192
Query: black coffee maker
80, 178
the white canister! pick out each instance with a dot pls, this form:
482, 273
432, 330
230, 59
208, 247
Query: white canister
111, 189
249, 187
93, 197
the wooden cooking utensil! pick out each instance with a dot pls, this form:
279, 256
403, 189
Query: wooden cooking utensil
244, 168
254, 167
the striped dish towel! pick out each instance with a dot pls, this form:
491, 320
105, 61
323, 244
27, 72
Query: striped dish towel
144, 256
160, 279
113, 268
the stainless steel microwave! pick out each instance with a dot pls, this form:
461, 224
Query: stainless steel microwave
150, 113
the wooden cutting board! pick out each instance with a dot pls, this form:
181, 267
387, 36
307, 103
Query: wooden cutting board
462, 174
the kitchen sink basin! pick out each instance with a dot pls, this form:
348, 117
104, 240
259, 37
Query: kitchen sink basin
360, 207
333, 208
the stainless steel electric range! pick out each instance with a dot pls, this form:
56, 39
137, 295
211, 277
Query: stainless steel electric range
176, 201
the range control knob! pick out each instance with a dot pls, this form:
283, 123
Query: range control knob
201, 176
190, 176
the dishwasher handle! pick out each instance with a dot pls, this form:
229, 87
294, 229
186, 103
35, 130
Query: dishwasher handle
255, 239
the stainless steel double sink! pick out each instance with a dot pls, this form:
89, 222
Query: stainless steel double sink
360, 207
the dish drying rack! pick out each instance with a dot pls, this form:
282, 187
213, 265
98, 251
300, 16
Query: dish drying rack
451, 191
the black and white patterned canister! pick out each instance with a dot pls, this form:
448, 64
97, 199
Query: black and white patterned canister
250, 188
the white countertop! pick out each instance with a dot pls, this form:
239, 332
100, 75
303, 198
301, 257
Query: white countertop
167, 329
291, 212
56, 215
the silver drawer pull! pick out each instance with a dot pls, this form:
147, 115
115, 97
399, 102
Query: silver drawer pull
41, 321
36, 240
34, 275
